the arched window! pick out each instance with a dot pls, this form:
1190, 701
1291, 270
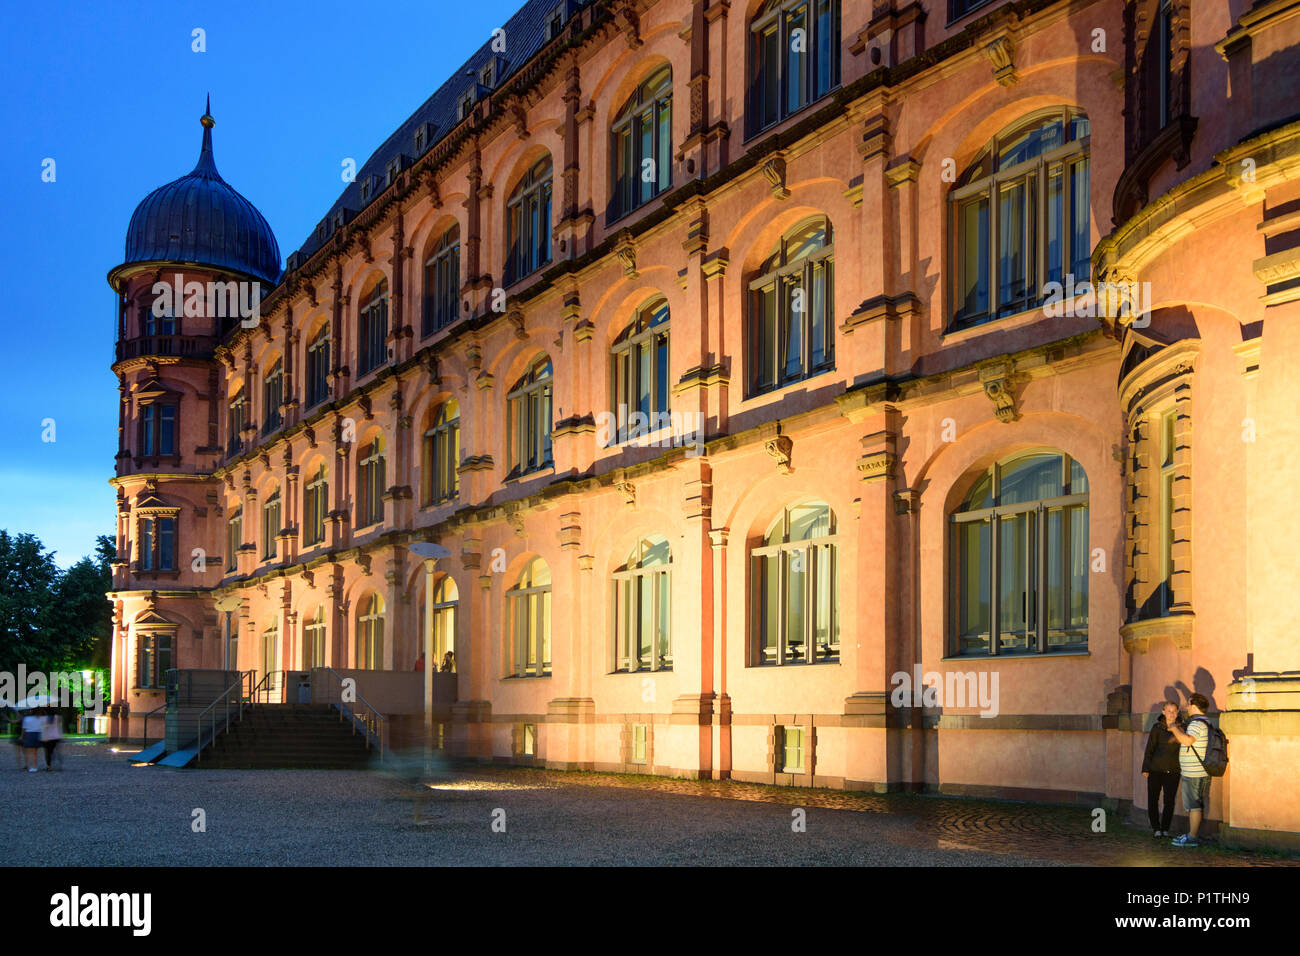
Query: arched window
445, 598
528, 405
1020, 558
272, 397
315, 504
318, 367
642, 143
271, 525
795, 588
441, 456
528, 622
442, 283
528, 225
643, 608
792, 309
370, 634
640, 373
794, 58
313, 640
1020, 218
236, 418
373, 340
370, 483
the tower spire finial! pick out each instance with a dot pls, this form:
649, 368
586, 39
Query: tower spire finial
206, 165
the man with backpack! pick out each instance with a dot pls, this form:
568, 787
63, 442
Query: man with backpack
1192, 764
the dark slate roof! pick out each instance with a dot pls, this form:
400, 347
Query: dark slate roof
201, 218
525, 34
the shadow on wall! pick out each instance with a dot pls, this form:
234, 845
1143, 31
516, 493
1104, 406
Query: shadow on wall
1179, 692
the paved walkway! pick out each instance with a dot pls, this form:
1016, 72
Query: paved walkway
101, 811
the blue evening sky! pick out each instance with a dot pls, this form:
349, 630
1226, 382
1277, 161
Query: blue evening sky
112, 92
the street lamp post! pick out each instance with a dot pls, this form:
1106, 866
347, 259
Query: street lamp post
431, 553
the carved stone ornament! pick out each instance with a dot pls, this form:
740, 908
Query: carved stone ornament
780, 448
774, 170
999, 382
1002, 54
628, 490
625, 252
516, 521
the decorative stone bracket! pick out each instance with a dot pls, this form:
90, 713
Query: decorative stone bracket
781, 448
1002, 54
774, 170
999, 381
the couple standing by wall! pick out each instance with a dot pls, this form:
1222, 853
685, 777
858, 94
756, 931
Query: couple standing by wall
1175, 754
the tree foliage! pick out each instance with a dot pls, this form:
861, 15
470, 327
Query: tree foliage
52, 619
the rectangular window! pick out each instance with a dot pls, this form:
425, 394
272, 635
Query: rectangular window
528, 740
639, 748
166, 544
1168, 446
146, 544
791, 746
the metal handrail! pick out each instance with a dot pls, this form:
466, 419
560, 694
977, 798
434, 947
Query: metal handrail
266, 686
145, 737
372, 722
224, 698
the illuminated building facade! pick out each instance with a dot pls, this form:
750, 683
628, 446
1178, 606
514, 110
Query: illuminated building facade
741, 355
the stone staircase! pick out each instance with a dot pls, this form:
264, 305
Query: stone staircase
288, 736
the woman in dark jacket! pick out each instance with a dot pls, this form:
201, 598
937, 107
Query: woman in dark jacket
1160, 767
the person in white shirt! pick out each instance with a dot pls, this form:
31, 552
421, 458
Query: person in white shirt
51, 734
31, 739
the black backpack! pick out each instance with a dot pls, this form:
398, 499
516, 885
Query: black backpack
1215, 761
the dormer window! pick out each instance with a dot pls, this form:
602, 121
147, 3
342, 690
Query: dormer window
394, 169
555, 23
423, 134
487, 76
466, 105
366, 185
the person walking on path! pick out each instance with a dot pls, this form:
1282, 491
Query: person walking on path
1160, 767
51, 734
1191, 754
31, 739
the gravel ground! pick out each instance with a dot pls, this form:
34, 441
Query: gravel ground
99, 810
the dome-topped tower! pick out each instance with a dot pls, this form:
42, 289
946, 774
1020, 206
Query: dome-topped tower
200, 219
